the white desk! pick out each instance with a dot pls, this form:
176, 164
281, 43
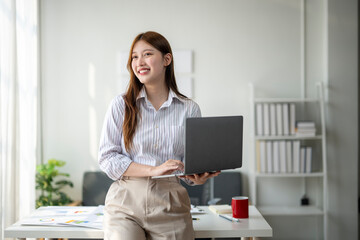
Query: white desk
209, 226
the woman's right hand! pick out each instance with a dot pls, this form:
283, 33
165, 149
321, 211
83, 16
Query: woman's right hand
167, 167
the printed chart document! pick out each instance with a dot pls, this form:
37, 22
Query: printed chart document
91, 217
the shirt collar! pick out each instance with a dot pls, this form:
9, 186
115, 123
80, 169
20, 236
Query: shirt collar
172, 94
142, 94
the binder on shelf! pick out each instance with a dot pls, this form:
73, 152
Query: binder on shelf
257, 146
266, 119
259, 120
279, 119
292, 118
262, 157
302, 159
308, 159
276, 157
296, 156
289, 160
285, 112
272, 119
282, 150
269, 156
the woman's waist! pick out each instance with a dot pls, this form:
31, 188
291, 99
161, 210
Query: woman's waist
149, 179
151, 160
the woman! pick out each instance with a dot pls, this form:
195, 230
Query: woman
143, 136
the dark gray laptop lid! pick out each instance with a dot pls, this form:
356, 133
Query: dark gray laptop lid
213, 144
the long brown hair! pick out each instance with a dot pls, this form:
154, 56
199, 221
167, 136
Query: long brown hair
131, 109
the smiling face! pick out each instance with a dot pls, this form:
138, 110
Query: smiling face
149, 64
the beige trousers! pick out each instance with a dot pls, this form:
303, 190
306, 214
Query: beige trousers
139, 208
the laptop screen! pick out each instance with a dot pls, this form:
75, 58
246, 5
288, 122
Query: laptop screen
213, 144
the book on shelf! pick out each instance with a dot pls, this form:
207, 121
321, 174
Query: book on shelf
272, 119
257, 149
308, 159
284, 156
279, 119
282, 151
276, 158
269, 157
289, 157
220, 209
292, 118
302, 159
266, 119
285, 112
259, 119
296, 156
263, 157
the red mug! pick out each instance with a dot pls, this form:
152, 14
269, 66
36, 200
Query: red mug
240, 207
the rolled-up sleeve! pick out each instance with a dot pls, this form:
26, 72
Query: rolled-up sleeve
112, 159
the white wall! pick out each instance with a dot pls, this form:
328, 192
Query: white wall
234, 43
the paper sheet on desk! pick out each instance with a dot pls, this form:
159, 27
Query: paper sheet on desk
91, 220
196, 210
90, 217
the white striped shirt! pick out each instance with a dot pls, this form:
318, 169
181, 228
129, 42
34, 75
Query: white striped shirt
159, 135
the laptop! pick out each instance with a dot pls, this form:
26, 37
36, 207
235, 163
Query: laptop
212, 144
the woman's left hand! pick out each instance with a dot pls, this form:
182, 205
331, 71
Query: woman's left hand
199, 179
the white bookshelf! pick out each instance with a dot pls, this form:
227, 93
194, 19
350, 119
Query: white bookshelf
318, 206
288, 100
290, 211
277, 175
318, 137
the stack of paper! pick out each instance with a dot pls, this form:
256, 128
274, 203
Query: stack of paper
220, 209
305, 129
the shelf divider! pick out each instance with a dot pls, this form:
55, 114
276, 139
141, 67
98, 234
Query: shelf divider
290, 211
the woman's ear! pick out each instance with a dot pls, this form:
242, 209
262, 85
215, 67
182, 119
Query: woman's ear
167, 59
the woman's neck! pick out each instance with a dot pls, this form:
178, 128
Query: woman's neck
157, 95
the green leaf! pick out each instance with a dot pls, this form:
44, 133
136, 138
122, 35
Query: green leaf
64, 183
50, 186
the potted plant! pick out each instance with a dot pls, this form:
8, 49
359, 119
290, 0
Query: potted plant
50, 182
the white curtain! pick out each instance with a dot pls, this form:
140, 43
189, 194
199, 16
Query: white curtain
19, 108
